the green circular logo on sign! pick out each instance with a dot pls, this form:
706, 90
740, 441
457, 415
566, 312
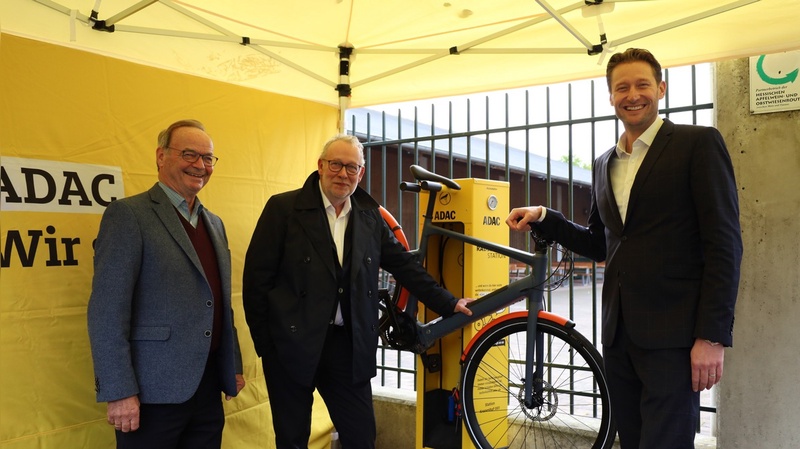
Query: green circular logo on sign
789, 78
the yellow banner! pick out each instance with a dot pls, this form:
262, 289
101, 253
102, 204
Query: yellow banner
78, 130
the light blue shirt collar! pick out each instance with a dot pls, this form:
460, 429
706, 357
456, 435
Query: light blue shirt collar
183, 207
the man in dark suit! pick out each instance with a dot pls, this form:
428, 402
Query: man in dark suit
311, 297
161, 327
665, 218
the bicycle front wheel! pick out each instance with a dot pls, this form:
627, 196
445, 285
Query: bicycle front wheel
572, 410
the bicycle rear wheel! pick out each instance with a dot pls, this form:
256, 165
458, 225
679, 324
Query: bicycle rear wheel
574, 411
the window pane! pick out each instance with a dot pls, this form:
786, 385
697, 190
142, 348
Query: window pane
581, 99
559, 110
705, 83
679, 87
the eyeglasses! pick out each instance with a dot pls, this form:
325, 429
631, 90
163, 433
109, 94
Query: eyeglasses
336, 167
192, 156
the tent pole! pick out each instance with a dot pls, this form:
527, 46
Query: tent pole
344, 88
681, 22
128, 12
563, 22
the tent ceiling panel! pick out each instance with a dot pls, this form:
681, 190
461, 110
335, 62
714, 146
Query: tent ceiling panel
407, 49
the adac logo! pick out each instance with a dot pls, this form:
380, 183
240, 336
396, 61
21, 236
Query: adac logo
445, 198
775, 80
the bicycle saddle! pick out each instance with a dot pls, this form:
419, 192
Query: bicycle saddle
420, 174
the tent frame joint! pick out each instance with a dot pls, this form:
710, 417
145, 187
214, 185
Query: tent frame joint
345, 90
100, 25
595, 50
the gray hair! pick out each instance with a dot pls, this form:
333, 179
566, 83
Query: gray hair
165, 136
352, 140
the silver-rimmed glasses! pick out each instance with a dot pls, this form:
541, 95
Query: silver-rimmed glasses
192, 156
336, 167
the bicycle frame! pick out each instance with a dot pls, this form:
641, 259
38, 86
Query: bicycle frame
530, 286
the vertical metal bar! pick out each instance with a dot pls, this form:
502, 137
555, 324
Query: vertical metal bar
507, 148
593, 337
694, 95
367, 150
450, 140
486, 142
527, 159
469, 138
594, 266
397, 192
433, 138
549, 169
571, 213
549, 183
416, 135
666, 97
383, 156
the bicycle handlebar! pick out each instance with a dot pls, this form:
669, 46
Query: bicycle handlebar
429, 186
410, 187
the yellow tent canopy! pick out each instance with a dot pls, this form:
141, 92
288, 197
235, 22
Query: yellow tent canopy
365, 52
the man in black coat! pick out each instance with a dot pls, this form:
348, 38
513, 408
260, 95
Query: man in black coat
311, 297
665, 218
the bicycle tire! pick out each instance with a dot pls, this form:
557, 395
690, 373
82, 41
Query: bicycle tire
494, 414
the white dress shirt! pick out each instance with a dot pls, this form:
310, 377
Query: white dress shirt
338, 225
624, 167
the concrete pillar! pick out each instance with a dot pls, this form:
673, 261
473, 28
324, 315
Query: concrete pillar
759, 396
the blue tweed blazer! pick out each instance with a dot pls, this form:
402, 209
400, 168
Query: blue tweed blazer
150, 312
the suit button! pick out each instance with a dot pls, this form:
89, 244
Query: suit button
209, 303
306, 259
207, 333
341, 290
369, 293
293, 329
369, 260
624, 238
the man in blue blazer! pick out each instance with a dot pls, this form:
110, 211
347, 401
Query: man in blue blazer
161, 327
311, 297
665, 218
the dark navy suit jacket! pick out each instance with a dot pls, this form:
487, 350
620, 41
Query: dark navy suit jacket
672, 269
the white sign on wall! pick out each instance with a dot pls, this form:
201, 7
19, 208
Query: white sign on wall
775, 82
38, 185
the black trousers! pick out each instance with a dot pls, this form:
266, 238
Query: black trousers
194, 424
349, 404
651, 394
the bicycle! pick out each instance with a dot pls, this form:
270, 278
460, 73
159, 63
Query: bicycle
562, 403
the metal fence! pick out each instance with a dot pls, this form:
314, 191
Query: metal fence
542, 140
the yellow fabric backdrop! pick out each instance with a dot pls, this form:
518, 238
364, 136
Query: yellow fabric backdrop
62, 106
